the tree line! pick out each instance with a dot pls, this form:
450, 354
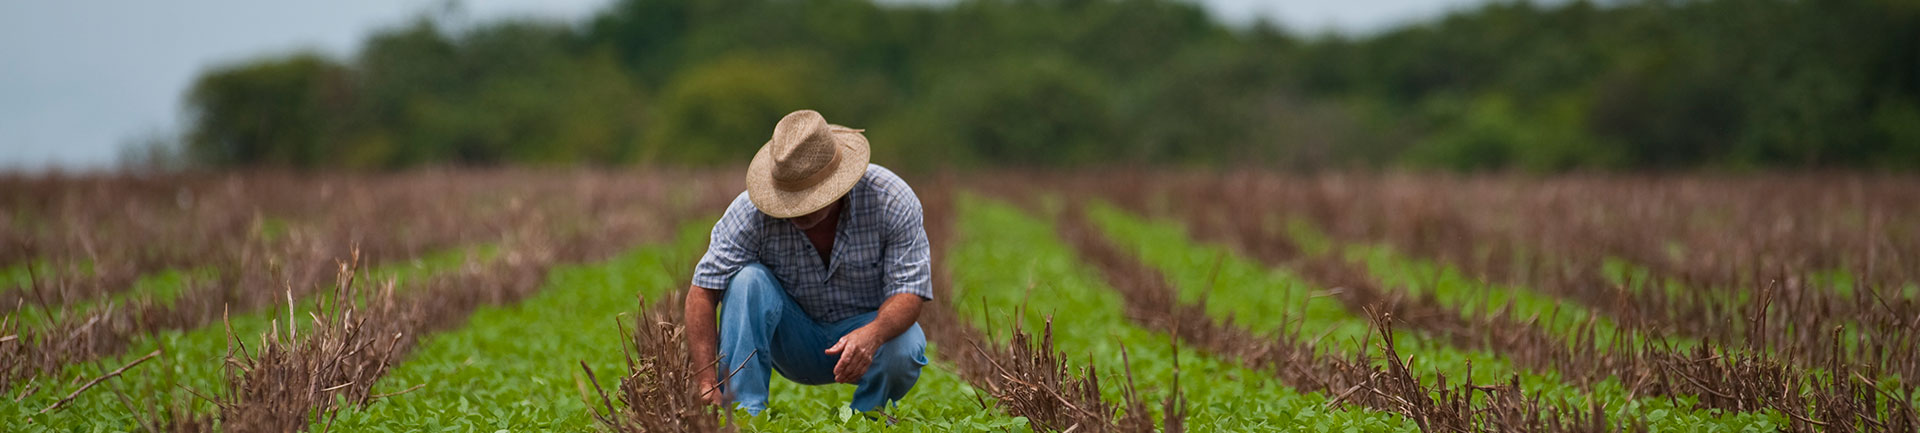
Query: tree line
1636, 85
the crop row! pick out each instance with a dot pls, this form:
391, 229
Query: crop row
1013, 267
1750, 262
69, 321
188, 359
1717, 377
1462, 349
1240, 303
563, 219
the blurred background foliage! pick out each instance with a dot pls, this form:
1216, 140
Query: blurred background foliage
1636, 85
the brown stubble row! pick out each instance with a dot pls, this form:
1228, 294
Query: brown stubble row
1553, 235
658, 393
253, 273
388, 218
1024, 372
1040, 385
123, 229
402, 217
284, 381
661, 390
1717, 376
1569, 227
1721, 377
1386, 383
276, 383
1520, 340
44, 215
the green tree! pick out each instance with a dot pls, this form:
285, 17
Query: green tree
1508, 85
271, 112
721, 112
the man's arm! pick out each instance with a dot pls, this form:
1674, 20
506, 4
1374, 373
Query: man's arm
856, 349
703, 341
909, 280
733, 245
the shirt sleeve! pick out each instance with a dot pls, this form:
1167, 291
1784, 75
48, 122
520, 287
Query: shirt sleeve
733, 245
909, 263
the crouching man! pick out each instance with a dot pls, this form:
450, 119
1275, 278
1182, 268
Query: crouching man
819, 269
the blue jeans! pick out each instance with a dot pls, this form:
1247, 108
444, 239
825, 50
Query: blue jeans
757, 317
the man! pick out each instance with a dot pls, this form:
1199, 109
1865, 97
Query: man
819, 269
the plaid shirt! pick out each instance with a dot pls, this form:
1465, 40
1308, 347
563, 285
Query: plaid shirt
879, 250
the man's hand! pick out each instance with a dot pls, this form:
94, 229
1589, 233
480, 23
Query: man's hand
856, 351
711, 393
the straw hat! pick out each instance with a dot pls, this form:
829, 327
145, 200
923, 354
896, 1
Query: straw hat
807, 165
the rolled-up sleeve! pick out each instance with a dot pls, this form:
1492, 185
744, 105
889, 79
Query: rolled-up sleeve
909, 262
733, 245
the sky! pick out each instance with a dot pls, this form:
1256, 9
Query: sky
79, 80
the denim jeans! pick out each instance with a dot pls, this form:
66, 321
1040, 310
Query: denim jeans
758, 318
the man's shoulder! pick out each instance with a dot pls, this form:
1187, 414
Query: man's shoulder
743, 212
886, 185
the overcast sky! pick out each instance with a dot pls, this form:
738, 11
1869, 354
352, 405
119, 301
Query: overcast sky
80, 78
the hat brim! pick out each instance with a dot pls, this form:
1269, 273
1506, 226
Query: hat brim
778, 203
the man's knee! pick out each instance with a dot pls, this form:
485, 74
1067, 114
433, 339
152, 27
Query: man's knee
905, 353
752, 280
753, 295
751, 274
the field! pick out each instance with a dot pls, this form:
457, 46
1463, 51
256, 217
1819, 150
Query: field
526, 300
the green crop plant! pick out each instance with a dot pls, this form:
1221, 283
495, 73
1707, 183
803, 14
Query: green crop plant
1843, 282
18, 276
161, 287
1638, 278
1244, 289
1419, 277
940, 402
189, 360
1470, 296
1008, 262
21, 275
515, 367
